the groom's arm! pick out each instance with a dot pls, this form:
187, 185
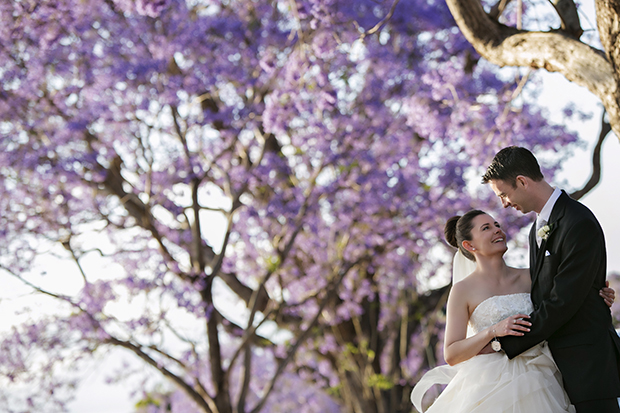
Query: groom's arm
582, 254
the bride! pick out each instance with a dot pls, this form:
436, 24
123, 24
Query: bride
489, 299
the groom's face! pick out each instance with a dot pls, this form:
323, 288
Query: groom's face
511, 195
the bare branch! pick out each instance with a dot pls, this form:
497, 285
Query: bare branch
247, 375
567, 11
249, 336
244, 292
67, 245
199, 397
114, 184
196, 248
379, 25
498, 9
596, 161
180, 133
220, 258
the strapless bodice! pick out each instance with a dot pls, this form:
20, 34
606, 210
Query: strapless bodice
498, 307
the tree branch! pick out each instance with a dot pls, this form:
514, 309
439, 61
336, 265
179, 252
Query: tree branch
379, 25
498, 9
202, 400
596, 161
567, 11
247, 375
114, 184
244, 292
553, 51
218, 374
196, 248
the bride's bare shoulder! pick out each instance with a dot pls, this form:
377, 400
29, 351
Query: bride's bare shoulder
468, 281
522, 276
467, 286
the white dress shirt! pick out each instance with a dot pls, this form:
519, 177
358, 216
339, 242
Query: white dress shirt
545, 212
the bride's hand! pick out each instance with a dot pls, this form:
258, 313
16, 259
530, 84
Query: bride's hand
515, 325
608, 294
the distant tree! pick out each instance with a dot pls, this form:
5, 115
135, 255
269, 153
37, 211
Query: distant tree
264, 182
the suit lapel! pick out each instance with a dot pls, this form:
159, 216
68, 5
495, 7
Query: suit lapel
533, 251
540, 255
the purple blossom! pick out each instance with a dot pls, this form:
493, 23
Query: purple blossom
151, 8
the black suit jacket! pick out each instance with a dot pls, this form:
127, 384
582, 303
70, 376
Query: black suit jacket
567, 271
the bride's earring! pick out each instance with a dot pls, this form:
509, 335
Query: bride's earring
467, 246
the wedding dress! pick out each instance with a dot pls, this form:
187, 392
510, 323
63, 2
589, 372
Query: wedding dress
529, 383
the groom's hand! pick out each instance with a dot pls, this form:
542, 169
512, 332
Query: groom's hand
608, 294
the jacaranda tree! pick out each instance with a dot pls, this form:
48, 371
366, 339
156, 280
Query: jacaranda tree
296, 159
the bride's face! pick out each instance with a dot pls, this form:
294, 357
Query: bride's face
487, 236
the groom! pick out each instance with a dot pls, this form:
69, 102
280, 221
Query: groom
567, 266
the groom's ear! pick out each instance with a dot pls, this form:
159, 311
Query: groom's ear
521, 182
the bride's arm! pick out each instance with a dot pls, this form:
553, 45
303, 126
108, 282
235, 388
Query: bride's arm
458, 348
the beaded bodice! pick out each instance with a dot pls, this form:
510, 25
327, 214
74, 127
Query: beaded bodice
496, 308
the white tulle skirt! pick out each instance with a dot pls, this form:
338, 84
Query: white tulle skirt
529, 383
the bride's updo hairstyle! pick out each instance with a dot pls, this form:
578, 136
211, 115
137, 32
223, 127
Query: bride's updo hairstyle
458, 229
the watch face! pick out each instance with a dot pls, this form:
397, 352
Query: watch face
496, 345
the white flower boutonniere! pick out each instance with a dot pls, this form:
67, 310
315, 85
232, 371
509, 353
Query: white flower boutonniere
544, 232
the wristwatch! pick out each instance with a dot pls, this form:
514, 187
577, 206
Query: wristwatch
496, 345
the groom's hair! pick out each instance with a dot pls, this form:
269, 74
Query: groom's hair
511, 162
